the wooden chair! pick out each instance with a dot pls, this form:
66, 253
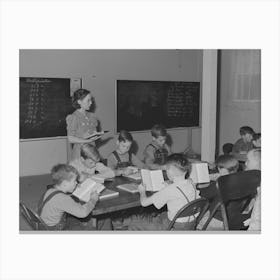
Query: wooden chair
235, 192
198, 206
32, 218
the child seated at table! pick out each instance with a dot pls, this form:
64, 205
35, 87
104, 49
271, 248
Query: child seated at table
88, 164
257, 140
122, 157
226, 164
227, 148
244, 144
254, 163
156, 153
56, 203
175, 195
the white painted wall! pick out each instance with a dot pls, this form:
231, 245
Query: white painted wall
209, 105
99, 69
38, 157
234, 114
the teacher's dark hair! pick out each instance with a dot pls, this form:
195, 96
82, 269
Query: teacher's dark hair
79, 94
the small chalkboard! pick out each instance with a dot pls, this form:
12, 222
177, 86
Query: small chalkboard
141, 104
44, 105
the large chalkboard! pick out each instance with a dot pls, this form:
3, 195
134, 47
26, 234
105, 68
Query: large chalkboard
141, 104
44, 105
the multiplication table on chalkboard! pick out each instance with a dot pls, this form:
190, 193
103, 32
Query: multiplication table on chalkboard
141, 104
44, 105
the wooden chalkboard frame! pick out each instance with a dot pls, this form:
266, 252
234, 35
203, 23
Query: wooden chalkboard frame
168, 128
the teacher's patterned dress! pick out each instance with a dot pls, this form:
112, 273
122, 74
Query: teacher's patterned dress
80, 125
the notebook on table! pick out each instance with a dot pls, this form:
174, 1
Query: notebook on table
135, 176
98, 178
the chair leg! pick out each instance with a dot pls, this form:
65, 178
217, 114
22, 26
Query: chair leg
211, 216
224, 215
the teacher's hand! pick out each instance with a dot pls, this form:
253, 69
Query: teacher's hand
94, 138
91, 136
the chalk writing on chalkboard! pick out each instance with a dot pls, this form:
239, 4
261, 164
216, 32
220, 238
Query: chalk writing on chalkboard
141, 104
44, 105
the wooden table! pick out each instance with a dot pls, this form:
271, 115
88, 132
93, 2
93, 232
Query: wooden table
124, 200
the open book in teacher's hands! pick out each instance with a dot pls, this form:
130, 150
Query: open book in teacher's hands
96, 133
84, 190
152, 179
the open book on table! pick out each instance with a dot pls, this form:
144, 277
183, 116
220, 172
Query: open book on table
135, 173
134, 176
84, 190
199, 173
152, 179
98, 178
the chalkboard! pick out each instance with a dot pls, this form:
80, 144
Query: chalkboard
44, 105
141, 104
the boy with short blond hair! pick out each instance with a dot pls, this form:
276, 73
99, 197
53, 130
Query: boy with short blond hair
122, 157
175, 195
88, 163
57, 201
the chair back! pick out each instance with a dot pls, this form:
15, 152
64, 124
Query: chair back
239, 185
235, 193
32, 218
196, 208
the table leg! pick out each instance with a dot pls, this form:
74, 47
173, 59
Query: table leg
104, 224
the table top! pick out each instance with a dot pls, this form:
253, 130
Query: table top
124, 200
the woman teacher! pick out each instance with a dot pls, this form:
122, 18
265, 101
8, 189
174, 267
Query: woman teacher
81, 124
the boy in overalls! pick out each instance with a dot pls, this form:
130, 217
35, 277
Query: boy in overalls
57, 202
156, 153
122, 157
